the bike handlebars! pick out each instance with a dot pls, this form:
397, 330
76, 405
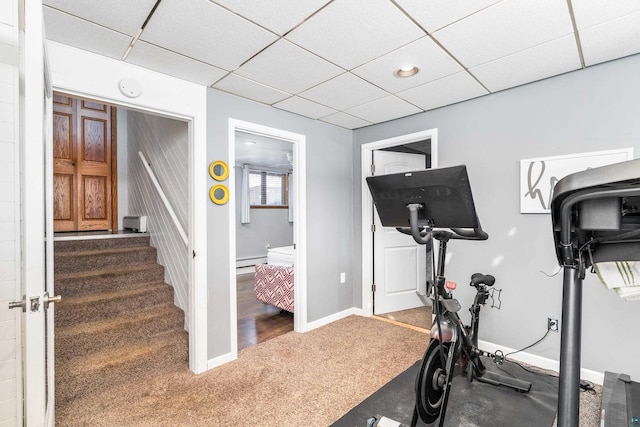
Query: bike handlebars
423, 237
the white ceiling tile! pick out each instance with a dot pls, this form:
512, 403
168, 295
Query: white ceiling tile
505, 28
67, 29
345, 120
448, 90
206, 32
503, 43
260, 150
164, 61
542, 61
384, 109
277, 15
352, 32
433, 62
593, 12
125, 16
435, 14
9, 37
288, 67
612, 40
304, 107
344, 91
250, 89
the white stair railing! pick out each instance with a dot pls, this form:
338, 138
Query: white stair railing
164, 199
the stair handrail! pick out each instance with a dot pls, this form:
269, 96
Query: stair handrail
164, 199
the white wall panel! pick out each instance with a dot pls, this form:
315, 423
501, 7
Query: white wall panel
7, 332
7, 370
7, 388
8, 216
164, 142
8, 409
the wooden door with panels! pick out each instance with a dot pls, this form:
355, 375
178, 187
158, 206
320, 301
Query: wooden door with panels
84, 161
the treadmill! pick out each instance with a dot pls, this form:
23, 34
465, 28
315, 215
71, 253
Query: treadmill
596, 218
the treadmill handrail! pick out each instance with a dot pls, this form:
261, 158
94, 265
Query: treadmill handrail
566, 209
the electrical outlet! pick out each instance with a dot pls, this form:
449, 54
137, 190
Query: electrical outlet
343, 277
553, 324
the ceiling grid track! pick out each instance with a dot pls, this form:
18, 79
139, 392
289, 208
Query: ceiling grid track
337, 61
576, 34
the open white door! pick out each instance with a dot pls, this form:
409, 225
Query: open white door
36, 319
399, 262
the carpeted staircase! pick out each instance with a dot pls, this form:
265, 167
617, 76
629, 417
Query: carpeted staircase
116, 319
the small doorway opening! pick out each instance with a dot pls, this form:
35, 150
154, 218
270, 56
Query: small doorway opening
423, 146
264, 226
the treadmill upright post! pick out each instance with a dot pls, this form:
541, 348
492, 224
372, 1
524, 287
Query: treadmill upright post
570, 344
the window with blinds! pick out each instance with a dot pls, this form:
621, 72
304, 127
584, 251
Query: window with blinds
268, 189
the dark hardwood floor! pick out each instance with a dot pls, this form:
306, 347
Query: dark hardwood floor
257, 321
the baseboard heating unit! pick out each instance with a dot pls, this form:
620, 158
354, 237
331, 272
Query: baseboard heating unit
135, 223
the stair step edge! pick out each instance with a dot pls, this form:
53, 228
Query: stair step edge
108, 271
100, 326
133, 353
69, 254
123, 293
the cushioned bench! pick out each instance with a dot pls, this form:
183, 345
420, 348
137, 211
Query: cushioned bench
274, 285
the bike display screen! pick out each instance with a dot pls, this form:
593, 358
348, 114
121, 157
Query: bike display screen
444, 194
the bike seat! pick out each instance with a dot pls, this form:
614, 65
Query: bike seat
482, 279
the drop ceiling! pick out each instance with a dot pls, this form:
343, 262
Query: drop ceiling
334, 60
263, 151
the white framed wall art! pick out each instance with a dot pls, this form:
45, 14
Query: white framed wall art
539, 176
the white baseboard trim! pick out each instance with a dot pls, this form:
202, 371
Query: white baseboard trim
221, 360
330, 319
245, 270
248, 262
540, 362
361, 312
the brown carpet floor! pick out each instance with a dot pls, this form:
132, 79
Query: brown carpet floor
309, 379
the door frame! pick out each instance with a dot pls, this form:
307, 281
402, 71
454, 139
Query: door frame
164, 96
196, 311
366, 157
33, 259
299, 222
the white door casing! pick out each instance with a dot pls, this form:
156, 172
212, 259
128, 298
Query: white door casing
166, 96
36, 320
399, 262
300, 322
366, 157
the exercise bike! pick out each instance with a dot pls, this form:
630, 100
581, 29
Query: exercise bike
439, 206
453, 348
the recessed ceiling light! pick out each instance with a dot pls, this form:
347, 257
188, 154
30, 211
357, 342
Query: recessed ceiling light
408, 71
250, 143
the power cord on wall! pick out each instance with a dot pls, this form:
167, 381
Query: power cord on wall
529, 346
585, 386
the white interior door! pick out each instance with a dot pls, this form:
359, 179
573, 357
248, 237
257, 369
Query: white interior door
399, 262
37, 323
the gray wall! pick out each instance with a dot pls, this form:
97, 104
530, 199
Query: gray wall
588, 110
329, 212
267, 227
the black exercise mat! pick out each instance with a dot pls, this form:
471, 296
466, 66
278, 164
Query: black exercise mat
470, 404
